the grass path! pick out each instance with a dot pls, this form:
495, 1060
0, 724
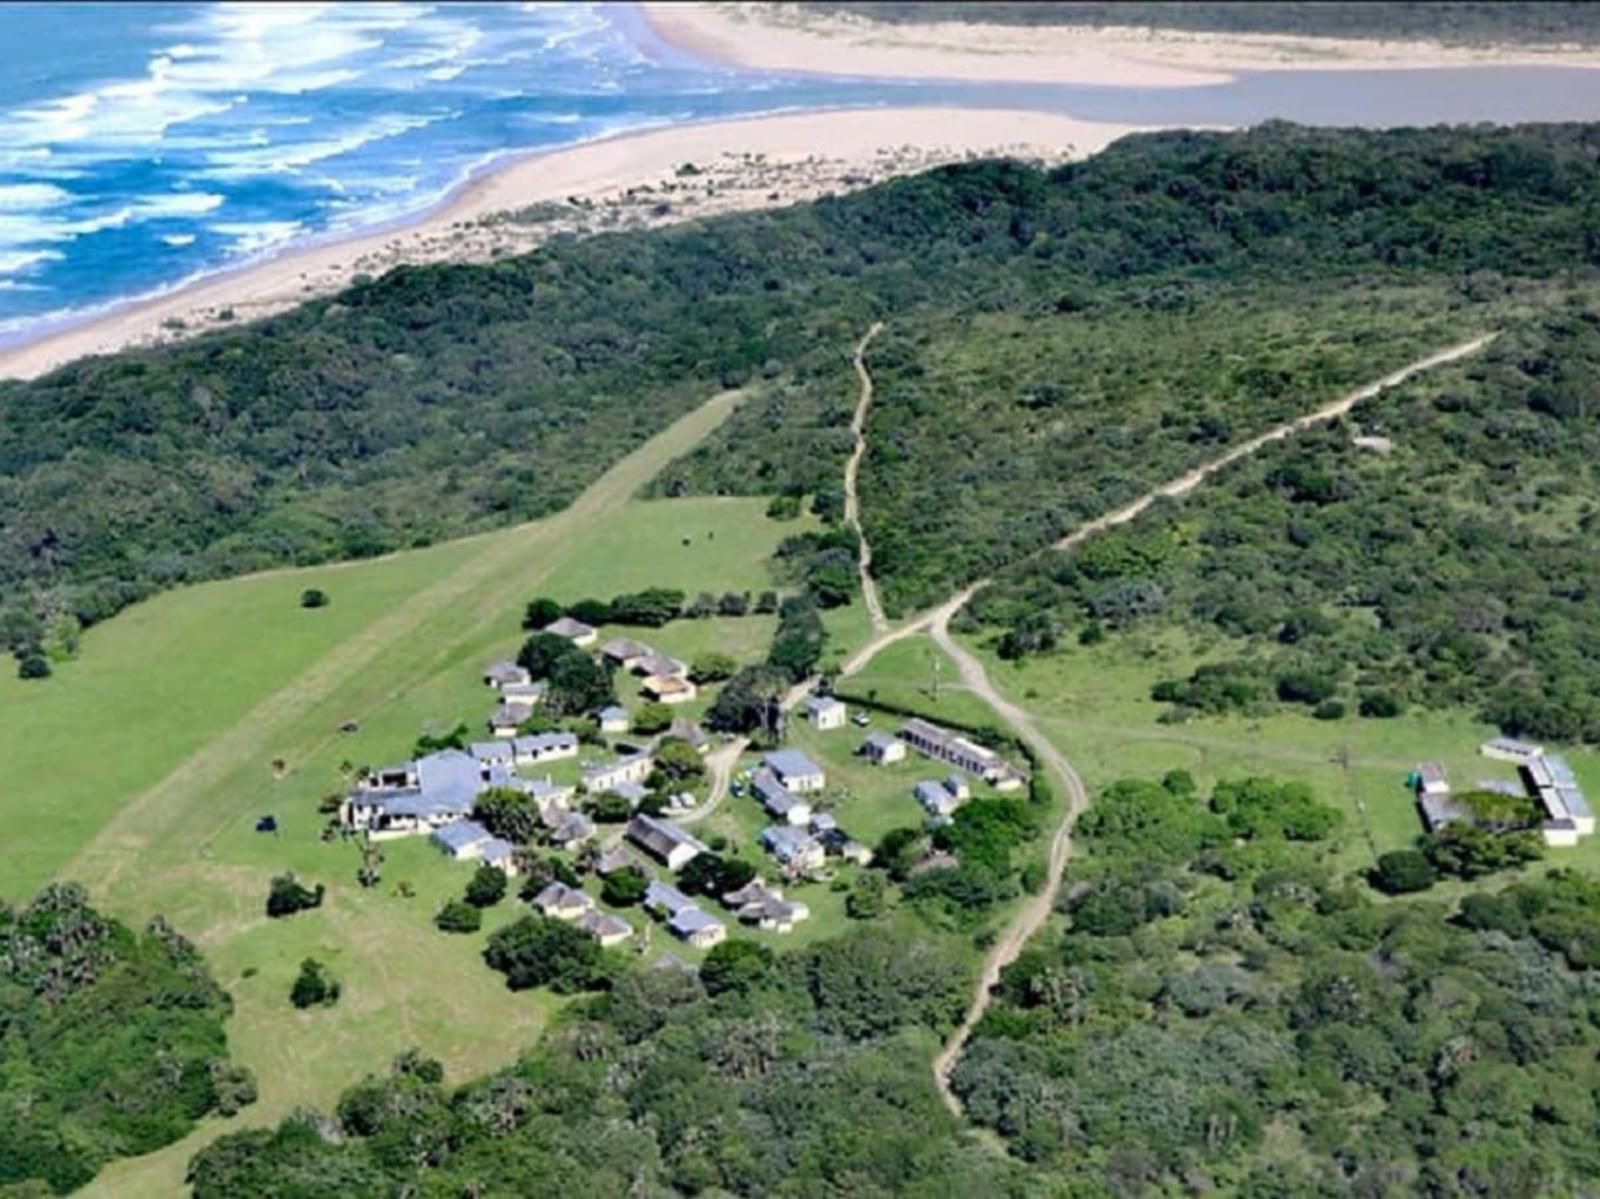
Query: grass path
852, 506
492, 580
1033, 914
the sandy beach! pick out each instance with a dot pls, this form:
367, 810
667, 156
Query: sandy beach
783, 37
630, 181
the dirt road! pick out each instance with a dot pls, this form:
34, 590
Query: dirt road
1036, 910
852, 507
1187, 482
1032, 915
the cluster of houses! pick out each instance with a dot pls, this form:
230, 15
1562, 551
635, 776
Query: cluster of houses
1545, 778
756, 904
800, 838
663, 678
561, 902
941, 745
435, 796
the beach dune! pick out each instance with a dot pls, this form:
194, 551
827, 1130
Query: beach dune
787, 37
739, 164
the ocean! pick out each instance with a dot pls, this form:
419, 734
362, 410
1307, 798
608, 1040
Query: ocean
145, 145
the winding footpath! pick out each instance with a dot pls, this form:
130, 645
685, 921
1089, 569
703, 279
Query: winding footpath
936, 622
852, 506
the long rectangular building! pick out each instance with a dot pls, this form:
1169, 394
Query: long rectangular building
942, 745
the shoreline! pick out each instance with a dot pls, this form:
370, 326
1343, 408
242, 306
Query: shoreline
782, 37
624, 181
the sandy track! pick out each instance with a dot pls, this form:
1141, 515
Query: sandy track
1032, 915
1187, 482
852, 468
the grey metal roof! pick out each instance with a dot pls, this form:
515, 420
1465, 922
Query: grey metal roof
688, 921
603, 924
507, 716
785, 842
774, 796
634, 793
667, 897
661, 837
566, 626
791, 763
461, 835
505, 671
881, 740
1439, 810
496, 851
538, 743
657, 663
559, 895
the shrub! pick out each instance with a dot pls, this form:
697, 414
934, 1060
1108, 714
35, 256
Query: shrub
624, 888
1380, 705
537, 951
287, 896
487, 886
314, 987
736, 966
313, 597
458, 916
33, 666
1403, 871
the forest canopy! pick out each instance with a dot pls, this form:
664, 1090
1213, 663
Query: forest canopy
111, 1042
442, 399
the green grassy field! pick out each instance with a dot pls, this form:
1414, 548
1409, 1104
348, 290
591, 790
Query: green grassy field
1094, 704
142, 766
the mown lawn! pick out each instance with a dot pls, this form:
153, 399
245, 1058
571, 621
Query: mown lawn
142, 767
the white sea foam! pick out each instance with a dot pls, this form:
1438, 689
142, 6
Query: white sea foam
177, 204
256, 161
179, 239
252, 237
25, 196
14, 262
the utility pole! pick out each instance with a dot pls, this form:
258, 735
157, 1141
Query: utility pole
938, 666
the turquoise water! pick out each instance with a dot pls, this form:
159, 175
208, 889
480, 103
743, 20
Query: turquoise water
144, 145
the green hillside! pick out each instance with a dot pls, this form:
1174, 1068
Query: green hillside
443, 400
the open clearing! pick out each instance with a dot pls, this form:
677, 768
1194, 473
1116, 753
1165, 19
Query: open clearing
142, 766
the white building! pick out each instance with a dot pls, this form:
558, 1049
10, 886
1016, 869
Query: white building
795, 770
824, 712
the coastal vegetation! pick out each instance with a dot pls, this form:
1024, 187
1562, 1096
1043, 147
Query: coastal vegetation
1225, 1011
307, 437
793, 1074
1433, 551
1293, 265
112, 1043
1452, 22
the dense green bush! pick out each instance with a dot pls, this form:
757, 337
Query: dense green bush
113, 1042
804, 1074
1214, 997
314, 986
287, 895
443, 399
